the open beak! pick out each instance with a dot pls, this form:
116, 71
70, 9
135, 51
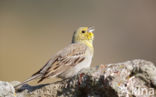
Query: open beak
91, 29
90, 33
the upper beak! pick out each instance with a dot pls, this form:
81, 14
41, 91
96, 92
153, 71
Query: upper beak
91, 29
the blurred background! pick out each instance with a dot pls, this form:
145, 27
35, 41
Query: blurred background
31, 31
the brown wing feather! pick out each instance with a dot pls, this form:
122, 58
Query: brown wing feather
64, 60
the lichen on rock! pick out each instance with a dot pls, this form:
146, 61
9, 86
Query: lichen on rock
136, 78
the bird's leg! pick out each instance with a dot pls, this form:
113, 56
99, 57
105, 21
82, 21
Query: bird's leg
80, 78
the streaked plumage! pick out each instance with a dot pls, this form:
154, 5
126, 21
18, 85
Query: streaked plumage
70, 60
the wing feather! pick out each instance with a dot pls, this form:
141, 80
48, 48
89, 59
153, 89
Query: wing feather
64, 60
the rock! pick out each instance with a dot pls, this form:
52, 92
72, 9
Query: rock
136, 78
6, 90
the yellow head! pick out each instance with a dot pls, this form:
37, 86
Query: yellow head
83, 34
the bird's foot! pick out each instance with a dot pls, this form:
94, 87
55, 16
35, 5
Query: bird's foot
80, 78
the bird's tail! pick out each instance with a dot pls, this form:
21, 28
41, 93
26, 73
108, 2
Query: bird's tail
29, 79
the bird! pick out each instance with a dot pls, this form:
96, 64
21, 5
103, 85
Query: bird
67, 62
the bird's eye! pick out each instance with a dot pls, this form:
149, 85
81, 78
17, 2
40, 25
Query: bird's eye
83, 31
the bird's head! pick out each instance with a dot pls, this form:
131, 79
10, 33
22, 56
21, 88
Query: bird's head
83, 34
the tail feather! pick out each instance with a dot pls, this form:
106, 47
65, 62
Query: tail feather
29, 79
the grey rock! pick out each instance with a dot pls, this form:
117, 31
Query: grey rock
6, 90
136, 78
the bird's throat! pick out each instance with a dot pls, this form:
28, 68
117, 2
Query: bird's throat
89, 43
